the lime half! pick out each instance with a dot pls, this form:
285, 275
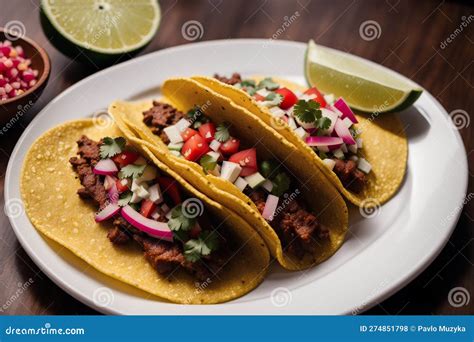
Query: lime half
100, 31
364, 85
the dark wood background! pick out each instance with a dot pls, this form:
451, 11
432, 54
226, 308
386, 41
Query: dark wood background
410, 42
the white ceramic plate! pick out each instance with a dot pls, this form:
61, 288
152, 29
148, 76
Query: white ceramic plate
381, 255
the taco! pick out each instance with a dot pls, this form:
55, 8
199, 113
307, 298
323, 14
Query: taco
231, 156
365, 157
115, 205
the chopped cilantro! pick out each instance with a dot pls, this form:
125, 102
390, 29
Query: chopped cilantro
248, 83
324, 123
222, 133
196, 248
208, 163
131, 170
111, 147
268, 83
281, 184
125, 198
268, 168
273, 99
322, 155
179, 222
197, 117
251, 91
308, 111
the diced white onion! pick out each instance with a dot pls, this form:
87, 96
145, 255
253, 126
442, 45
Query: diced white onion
364, 165
329, 163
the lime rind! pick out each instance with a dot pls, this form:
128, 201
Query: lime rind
366, 86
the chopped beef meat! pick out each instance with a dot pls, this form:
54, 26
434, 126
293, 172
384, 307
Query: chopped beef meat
297, 228
165, 257
117, 236
235, 78
160, 116
351, 177
92, 186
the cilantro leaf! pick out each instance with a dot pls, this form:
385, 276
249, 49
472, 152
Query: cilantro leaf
307, 111
179, 222
222, 133
197, 117
131, 170
324, 123
272, 99
281, 184
248, 83
110, 147
208, 163
196, 248
268, 83
125, 198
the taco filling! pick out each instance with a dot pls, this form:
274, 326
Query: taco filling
147, 209
194, 137
326, 125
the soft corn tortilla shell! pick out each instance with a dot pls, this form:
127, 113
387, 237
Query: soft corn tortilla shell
319, 194
49, 185
385, 144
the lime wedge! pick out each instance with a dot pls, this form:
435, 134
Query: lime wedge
364, 85
100, 31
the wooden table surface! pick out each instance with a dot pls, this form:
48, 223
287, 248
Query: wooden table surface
411, 38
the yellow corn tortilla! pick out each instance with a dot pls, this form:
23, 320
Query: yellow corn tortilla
49, 185
385, 144
319, 194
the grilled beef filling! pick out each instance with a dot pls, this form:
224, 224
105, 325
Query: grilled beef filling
164, 256
298, 228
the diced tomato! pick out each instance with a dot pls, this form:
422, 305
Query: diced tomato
147, 207
289, 98
247, 171
207, 131
170, 187
121, 187
195, 231
188, 133
125, 158
195, 148
319, 97
231, 146
258, 97
245, 158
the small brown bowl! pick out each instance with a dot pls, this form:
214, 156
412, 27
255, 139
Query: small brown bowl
19, 105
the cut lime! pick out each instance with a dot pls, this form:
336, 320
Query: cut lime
100, 31
364, 85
